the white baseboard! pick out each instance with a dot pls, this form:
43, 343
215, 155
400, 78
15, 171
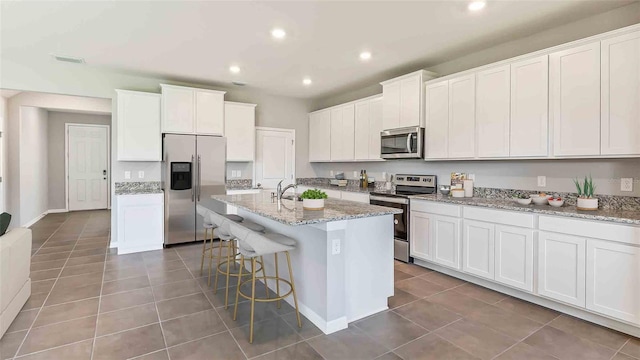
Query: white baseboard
56, 211
34, 220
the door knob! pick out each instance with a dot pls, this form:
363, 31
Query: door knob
104, 172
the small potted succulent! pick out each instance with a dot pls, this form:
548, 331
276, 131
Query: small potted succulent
586, 189
313, 199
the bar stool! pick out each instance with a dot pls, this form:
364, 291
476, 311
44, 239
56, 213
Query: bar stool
208, 231
254, 245
222, 231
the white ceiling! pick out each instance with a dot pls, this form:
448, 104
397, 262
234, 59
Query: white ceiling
198, 41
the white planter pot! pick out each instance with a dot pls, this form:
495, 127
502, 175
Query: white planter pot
587, 204
313, 204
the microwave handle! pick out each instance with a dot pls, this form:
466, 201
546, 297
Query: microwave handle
409, 143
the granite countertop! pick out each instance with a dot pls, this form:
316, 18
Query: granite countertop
138, 187
292, 213
355, 189
617, 216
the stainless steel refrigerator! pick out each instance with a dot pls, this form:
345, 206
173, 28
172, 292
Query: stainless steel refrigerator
193, 169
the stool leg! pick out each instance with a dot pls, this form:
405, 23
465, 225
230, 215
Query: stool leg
210, 258
275, 256
215, 283
264, 276
226, 290
293, 288
253, 296
235, 307
204, 249
235, 251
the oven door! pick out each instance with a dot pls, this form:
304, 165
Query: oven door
403, 143
400, 224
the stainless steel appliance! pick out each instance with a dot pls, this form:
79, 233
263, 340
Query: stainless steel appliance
403, 143
405, 185
193, 168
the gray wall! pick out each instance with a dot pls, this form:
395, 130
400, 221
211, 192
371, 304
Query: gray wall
33, 162
56, 129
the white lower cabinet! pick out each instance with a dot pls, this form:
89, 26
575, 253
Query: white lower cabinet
561, 267
478, 248
420, 235
140, 222
514, 257
445, 235
613, 280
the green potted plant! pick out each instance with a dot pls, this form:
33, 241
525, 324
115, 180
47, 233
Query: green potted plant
586, 199
313, 199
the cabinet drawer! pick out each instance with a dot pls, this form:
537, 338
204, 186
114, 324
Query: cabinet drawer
593, 229
436, 208
499, 216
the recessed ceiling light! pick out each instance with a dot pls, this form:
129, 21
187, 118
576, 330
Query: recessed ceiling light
278, 33
234, 69
365, 55
477, 5
306, 81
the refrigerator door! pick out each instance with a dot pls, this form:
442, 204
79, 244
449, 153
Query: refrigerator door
180, 209
211, 174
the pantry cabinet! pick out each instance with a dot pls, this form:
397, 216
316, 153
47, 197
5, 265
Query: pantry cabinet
138, 126
342, 132
192, 111
368, 125
403, 104
620, 109
320, 136
561, 267
437, 120
240, 130
462, 117
575, 100
493, 112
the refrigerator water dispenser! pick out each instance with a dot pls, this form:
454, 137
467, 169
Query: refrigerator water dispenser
181, 175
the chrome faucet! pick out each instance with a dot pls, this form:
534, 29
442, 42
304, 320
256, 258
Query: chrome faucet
280, 191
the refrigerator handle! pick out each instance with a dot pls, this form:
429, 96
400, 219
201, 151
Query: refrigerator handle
199, 178
193, 197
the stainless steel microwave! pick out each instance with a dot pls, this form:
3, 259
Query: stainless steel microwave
403, 143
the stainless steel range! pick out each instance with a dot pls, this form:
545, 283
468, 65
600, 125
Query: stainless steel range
405, 185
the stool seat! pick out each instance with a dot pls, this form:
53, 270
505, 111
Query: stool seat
208, 225
252, 226
234, 217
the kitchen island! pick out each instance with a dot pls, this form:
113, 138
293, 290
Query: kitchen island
343, 261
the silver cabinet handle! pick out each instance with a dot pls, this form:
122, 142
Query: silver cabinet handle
199, 178
193, 196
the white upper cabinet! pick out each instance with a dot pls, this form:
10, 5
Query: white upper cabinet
342, 132
192, 111
493, 98
375, 127
391, 106
529, 107
138, 126
462, 117
240, 130
320, 136
437, 120
403, 104
368, 124
620, 95
575, 100
411, 101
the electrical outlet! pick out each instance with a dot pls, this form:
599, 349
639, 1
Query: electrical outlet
542, 181
471, 177
626, 184
140, 174
335, 247
239, 173
331, 173
355, 175
127, 174
234, 174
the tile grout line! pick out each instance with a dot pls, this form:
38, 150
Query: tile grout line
155, 304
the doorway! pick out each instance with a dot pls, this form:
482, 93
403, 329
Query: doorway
275, 157
87, 166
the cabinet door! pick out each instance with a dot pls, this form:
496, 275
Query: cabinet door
375, 127
613, 280
621, 95
575, 100
240, 131
139, 136
446, 241
529, 107
336, 134
140, 222
561, 268
462, 117
420, 235
391, 105
410, 89
493, 112
320, 136
437, 120
209, 112
348, 131
178, 110
478, 248
514, 257
362, 128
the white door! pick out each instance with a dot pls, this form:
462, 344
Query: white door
87, 167
410, 101
574, 97
613, 280
561, 268
446, 241
437, 120
493, 112
620, 94
462, 117
420, 235
478, 248
391, 105
275, 157
514, 257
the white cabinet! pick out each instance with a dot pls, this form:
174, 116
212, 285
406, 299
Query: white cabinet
446, 241
561, 267
437, 120
342, 132
375, 127
140, 222
575, 100
368, 124
411, 101
493, 112
403, 100
420, 235
529, 107
240, 130
613, 280
138, 126
391, 106
514, 257
462, 117
478, 248
620, 95
320, 136
192, 111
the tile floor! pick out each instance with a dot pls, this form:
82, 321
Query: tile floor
89, 303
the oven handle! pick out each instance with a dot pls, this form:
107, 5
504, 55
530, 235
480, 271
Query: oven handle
389, 199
